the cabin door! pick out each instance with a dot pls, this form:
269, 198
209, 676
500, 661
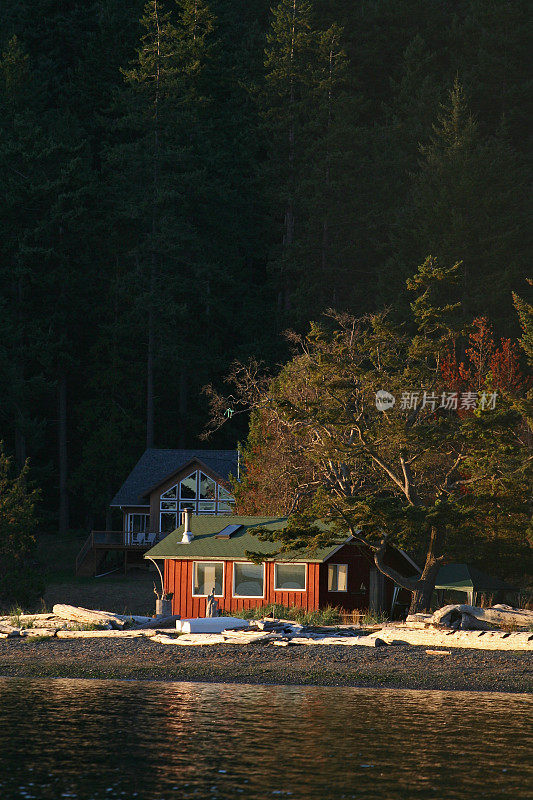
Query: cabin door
376, 590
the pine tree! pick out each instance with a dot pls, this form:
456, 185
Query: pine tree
304, 108
16, 129
17, 534
468, 204
158, 167
289, 56
153, 79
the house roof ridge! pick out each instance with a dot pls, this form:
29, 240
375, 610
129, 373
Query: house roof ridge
206, 546
156, 464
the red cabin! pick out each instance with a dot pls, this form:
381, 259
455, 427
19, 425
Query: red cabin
209, 553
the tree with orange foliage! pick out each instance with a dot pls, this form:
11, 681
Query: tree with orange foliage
387, 435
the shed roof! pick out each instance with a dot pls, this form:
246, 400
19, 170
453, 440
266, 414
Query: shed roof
464, 578
156, 465
205, 545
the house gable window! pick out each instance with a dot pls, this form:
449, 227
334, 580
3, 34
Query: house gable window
168, 521
225, 501
188, 488
197, 492
206, 576
337, 577
248, 579
290, 577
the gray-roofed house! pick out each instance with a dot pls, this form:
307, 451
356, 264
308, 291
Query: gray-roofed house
159, 488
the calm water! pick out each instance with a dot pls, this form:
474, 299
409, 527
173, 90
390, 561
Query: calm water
153, 741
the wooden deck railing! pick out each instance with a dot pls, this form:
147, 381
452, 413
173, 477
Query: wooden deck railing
127, 538
118, 539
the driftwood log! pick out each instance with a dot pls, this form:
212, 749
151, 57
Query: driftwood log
109, 634
8, 630
158, 622
28, 633
478, 640
254, 637
465, 617
354, 641
88, 617
26, 617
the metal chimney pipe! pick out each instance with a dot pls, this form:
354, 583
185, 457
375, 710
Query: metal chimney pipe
187, 533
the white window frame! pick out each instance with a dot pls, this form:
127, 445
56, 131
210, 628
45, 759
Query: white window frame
247, 596
179, 501
200, 499
129, 521
335, 591
196, 485
292, 564
177, 514
194, 563
169, 499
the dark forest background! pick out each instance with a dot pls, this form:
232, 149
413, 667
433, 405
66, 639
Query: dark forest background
183, 181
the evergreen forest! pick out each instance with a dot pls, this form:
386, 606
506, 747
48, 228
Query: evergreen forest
185, 180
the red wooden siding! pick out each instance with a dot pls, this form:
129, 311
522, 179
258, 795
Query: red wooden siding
360, 561
178, 580
359, 565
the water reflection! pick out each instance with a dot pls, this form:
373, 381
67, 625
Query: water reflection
95, 739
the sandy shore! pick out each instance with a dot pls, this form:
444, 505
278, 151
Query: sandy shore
393, 667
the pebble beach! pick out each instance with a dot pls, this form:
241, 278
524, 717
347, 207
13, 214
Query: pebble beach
401, 666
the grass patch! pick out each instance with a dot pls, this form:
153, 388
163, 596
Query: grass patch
324, 616
15, 618
86, 626
15, 615
373, 618
45, 637
513, 627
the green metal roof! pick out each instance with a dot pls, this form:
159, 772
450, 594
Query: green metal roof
464, 578
205, 545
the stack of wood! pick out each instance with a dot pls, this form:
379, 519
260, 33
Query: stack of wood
278, 632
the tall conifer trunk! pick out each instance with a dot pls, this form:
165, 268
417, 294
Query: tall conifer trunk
327, 176
150, 412
150, 379
20, 439
20, 446
289, 212
63, 454
183, 394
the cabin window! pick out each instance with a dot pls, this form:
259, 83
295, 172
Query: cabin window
289, 577
248, 580
207, 575
337, 577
